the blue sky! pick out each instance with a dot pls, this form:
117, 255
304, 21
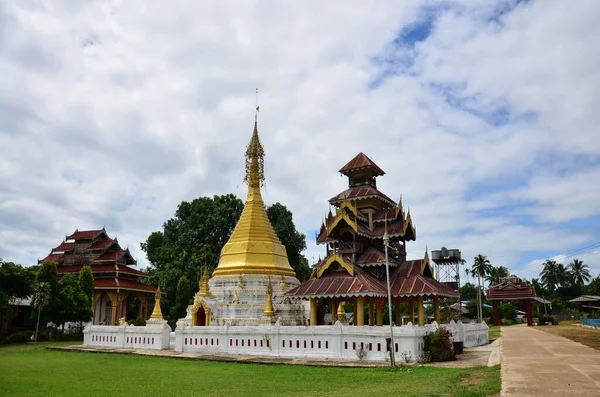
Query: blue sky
483, 115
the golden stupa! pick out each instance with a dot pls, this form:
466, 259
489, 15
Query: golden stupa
253, 247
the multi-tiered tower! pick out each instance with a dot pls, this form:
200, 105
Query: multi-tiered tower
248, 285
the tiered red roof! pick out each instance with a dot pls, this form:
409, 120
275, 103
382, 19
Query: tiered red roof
64, 246
107, 260
85, 234
355, 261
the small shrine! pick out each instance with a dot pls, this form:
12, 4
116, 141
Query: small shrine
116, 283
511, 288
354, 267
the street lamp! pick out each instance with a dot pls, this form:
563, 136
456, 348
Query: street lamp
386, 241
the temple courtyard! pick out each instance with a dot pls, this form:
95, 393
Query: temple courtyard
533, 363
38, 371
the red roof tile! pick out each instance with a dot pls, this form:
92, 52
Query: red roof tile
420, 285
340, 283
56, 258
85, 234
110, 256
361, 161
103, 269
64, 247
510, 288
111, 283
101, 244
373, 256
358, 192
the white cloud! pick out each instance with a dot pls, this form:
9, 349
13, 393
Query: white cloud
111, 113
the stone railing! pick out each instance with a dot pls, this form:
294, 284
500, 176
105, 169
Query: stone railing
337, 342
471, 334
127, 336
334, 342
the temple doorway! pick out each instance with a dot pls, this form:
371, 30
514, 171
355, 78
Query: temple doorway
200, 318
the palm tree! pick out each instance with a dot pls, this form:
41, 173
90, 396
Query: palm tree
40, 299
554, 275
579, 272
481, 267
496, 273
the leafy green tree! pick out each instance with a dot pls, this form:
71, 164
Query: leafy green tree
47, 273
86, 281
16, 283
194, 237
191, 239
468, 292
182, 299
593, 288
579, 272
39, 300
292, 239
481, 267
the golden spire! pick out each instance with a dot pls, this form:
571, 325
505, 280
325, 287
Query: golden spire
269, 311
157, 313
253, 247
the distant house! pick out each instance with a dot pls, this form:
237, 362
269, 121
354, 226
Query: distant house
116, 283
589, 303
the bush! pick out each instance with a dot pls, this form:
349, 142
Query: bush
508, 311
545, 320
139, 322
438, 346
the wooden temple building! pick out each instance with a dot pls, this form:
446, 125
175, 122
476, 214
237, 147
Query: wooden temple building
116, 284
354, 268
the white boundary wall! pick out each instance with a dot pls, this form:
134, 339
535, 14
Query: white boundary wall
127, 336
337, 342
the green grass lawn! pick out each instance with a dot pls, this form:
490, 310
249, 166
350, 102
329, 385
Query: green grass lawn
26, 370
494, 331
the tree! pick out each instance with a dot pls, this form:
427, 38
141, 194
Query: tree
39, 300
553, 275
593, 288
194, 237
182, 299
191, 239
481, 268
579, 272
86, 281
293, 240
496, 272
47, 273
16, 284
468, 292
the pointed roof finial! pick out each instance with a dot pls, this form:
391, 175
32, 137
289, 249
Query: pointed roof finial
255, 163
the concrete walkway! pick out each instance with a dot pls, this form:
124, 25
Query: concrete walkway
536, 363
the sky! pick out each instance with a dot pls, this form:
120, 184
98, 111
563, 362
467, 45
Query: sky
484, 115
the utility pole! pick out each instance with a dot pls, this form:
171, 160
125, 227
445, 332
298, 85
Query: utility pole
386, 241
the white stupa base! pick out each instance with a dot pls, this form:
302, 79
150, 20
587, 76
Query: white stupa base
230, 304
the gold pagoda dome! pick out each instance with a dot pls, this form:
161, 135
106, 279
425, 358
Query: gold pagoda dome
253, 247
